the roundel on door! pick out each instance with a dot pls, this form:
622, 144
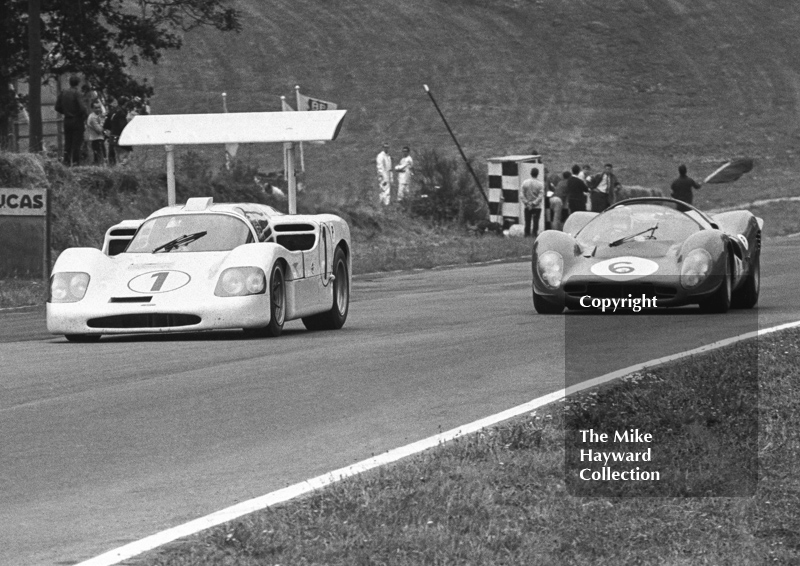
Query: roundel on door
625, 268
158, 281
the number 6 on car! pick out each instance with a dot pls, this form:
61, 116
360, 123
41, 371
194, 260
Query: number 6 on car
624, 268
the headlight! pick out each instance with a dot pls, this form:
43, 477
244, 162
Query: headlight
241, 281
695, 268
551, 268
68, 287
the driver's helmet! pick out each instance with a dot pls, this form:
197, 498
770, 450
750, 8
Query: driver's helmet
621, 219
174, 227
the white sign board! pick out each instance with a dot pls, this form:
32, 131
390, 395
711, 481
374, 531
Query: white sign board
23, 202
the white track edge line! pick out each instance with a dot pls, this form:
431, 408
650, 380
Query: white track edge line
282, 495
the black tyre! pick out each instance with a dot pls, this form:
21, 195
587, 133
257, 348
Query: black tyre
543, 306
83, 338
720, 301
335, 318
277, 302
746, 297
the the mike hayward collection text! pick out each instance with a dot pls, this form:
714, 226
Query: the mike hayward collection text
617, 458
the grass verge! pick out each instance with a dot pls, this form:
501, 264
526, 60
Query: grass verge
22, 292
500, 496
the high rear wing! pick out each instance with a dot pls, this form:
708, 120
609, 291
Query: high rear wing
236, 127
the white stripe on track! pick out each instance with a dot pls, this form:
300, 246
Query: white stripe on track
234, 512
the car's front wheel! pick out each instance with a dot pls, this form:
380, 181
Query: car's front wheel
720, 301
277, 302
543, 306
747, 296
334, 319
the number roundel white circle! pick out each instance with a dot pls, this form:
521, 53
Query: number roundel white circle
624, 268
158, 281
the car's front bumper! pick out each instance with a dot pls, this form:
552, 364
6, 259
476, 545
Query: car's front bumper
577, 292
159, 316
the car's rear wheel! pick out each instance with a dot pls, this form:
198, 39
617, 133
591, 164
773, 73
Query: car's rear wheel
334, 318
747, 296
83, 338
720, 301
543, 306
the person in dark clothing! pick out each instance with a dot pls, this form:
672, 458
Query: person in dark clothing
576, 191
115, 122
683, 185
604, 187
70, 103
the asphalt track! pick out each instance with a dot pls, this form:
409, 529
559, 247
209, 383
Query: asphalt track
102, 444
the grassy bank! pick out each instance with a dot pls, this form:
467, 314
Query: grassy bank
500, 497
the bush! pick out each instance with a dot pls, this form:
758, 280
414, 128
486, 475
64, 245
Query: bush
444, 191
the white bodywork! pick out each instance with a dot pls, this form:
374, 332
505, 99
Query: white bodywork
162, 288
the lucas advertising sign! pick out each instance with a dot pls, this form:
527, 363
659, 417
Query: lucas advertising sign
23, 202
24, 233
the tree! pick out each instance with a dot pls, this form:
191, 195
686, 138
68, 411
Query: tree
100, 40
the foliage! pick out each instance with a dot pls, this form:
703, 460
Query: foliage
445, 191
100, 39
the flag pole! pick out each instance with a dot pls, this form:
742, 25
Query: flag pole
452, 135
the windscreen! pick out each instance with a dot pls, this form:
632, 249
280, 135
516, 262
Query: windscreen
190, 233
637, 221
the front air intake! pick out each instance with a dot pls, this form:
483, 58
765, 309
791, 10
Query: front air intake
145, 320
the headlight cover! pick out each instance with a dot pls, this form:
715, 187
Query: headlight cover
695, 268
68, 286
241, 281
550, 266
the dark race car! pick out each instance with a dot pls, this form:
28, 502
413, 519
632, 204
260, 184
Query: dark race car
651, 252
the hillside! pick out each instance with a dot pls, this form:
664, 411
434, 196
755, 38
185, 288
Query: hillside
645, 84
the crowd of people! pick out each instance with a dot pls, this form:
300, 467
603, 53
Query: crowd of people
578, 189
92, 134
571, 191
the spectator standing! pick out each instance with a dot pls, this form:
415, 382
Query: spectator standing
603, 189
383, 163
586, 176
113, 108
132, 109
561, 192
70, 104
405, 170
115, 122
683, 185
532, 193
576, 191
95, 134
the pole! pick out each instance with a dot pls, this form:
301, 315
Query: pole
302, 157
35, 77
47, 238
227, 146
452, 135
285, 145
170, 174
545, 208
292, 180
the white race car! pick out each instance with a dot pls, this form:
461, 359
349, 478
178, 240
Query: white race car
205, 266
